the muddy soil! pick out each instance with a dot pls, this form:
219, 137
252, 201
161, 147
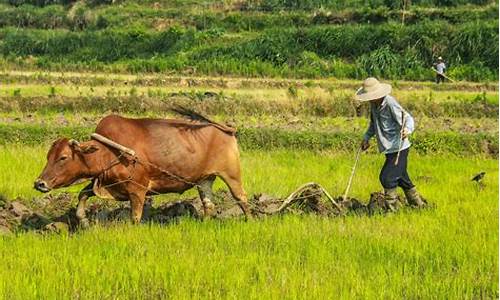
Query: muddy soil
56, 213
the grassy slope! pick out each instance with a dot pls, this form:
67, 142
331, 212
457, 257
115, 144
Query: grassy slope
222, 40
450, 251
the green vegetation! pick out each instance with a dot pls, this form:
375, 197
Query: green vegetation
310, 39
157, 82
275, 138
287, 139
336, 107
322, 99
277, 256
284, 73
279, 172
312, 115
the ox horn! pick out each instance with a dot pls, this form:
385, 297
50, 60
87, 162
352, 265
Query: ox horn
73, 142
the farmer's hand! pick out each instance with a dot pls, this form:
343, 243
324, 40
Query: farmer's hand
405, 133
365, 145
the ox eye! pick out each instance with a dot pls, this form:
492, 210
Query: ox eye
64, 157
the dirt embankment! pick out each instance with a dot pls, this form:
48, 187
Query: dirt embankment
56, 213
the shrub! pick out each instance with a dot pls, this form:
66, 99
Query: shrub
351, 51
39, 2
475, 71
476, 42
276, 5
43, 3
381, 62
80, 16
292, 91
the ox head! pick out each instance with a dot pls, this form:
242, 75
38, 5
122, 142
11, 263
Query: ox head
66, 164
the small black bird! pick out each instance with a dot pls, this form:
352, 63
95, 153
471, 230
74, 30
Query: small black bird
479, 177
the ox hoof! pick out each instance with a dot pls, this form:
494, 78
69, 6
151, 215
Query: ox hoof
84, 223
208, 209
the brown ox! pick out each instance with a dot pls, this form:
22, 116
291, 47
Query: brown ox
172, 156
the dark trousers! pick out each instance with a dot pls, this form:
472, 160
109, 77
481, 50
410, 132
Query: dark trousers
439, 78
392, 176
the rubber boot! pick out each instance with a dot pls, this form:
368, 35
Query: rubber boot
414, 199
391, 199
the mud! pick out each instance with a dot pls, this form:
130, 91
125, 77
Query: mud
56, 213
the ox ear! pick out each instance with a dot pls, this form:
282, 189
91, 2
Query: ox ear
82, 148
87, 149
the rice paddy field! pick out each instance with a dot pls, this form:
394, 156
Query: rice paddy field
290, 132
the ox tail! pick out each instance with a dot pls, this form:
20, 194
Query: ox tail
194, 116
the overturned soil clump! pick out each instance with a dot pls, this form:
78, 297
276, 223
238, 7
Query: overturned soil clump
57, 213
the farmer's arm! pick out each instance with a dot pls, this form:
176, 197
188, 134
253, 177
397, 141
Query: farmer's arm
409, 123
396, 110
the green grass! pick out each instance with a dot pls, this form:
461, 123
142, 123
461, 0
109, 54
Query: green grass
219, 103
449, 252
279, 172
270, 93
299, 122
270, 138
418, 255
23, 76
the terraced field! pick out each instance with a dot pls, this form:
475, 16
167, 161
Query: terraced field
290, 132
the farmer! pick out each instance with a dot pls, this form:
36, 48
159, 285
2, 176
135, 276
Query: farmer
440, 69
386, 123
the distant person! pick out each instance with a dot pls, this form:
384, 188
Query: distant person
440, 69
391, 129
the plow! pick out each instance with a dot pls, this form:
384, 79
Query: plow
56, 213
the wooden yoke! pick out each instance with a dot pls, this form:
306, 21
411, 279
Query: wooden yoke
113, 144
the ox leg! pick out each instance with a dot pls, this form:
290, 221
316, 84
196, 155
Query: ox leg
137, 206
84, 194
206, 196
236, 188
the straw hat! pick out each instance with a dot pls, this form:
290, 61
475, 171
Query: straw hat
372, 90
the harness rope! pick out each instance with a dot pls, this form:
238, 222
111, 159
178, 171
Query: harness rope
293, 197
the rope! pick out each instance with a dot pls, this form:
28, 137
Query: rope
293, 197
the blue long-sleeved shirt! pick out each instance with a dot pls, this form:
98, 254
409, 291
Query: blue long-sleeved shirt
386, 122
